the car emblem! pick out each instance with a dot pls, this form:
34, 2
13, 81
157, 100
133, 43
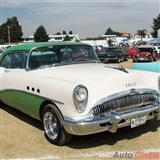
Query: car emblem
133, 91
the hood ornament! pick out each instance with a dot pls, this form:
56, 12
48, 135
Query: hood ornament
133, 91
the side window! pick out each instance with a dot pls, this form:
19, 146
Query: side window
42, 57
6, 61
15, 60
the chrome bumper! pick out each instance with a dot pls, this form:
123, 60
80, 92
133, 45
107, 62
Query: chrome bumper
111, 122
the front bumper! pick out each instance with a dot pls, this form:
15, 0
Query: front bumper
111, 122
143, 58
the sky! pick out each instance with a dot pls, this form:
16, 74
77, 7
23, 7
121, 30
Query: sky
88, 18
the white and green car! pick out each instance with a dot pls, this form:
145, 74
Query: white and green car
64, 85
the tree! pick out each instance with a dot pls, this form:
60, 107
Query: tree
2, 41
41, 35
109, 31
142, 33
15, 30
156, 26
67, 38
64, 32
110, 42
58, 33
70, 32
3, 32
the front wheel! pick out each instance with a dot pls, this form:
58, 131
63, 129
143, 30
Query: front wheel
155, 59
150, 59
135, 60
53, 130
118, 60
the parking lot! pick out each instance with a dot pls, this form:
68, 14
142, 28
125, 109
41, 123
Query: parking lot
22, 137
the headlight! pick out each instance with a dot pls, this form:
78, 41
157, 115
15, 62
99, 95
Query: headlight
80, 98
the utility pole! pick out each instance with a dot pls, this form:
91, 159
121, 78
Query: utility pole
9, 38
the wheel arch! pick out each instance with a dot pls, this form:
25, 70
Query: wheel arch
55, 108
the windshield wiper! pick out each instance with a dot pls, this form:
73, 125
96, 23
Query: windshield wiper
121, 68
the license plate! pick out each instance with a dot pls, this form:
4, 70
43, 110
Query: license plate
138, 121
141, 59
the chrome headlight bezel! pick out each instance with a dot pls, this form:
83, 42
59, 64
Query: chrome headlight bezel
80, 98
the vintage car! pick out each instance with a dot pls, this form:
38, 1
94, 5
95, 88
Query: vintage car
146, 53
115, 54
64, 85
132, 52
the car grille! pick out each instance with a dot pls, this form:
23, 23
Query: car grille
111, 56
102, 55
125, 103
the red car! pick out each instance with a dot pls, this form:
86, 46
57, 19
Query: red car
132, 52
145, 53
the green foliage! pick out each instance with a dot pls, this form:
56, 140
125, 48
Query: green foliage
64, 32
70, 32
15, 30
58, 33
156, 26
2, 41
109, 31
110, 42
41, 35
67, 38
142, 33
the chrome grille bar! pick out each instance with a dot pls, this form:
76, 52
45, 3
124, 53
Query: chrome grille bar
124, 103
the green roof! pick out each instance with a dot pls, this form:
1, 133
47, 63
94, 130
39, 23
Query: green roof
29, 46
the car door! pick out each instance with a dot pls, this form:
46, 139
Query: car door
12, 70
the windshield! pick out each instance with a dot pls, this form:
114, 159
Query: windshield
145, 49
62, 55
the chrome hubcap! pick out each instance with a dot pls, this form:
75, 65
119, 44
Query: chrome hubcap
50, 125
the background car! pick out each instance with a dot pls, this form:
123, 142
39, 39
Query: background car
157, 47
116, 54
145, 53
132, 52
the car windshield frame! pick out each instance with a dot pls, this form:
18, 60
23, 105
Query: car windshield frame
92, 52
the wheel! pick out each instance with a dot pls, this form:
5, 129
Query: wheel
134, 59
53, 130
126, 58
155, 59
1, 103
150, 59
118, 60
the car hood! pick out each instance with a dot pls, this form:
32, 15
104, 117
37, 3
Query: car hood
98, 76
101, 80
